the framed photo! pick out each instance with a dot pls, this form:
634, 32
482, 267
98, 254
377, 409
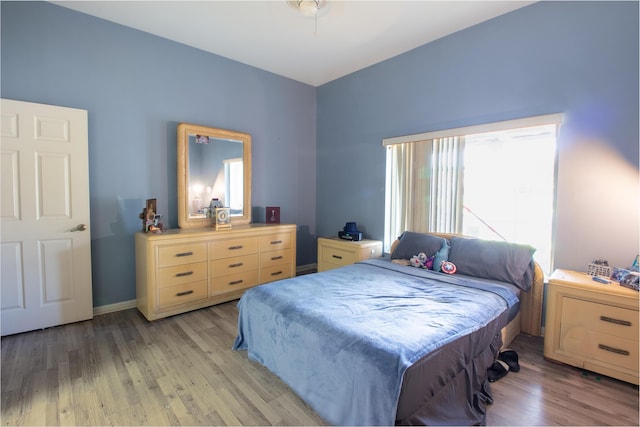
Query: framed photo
223, 218
152, 209
273, 214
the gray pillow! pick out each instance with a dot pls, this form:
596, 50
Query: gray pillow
412, 243
503, 261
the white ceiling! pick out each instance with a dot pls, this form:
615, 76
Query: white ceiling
272, 36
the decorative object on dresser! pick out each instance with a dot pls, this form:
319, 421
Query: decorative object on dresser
334, 252
182, 270
150, 218
592, 325
223, 218
273, 215
600, 268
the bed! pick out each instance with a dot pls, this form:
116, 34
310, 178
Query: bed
380, 342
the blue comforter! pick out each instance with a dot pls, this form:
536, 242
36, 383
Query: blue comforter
343, 339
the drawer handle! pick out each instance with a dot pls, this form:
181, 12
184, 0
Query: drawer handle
233, 248
237, 264
273, 258
184, 254
613, 349
337, 256
236, 282
181, 294
186, 273
276, 273
616, 321
276, 242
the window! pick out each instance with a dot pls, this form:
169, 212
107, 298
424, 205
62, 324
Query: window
234, 180
494, 181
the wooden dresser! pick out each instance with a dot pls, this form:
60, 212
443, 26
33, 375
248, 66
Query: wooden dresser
334, 252
592, 325
182, 270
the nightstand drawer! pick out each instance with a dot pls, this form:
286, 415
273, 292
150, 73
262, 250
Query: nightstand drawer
337, 256
178, 274
606, 319
179, 294
181, 254
334, 252
609, 349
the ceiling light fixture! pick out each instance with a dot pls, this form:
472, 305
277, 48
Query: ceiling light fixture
308, 8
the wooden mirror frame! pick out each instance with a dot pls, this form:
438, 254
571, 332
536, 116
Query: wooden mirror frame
186, 129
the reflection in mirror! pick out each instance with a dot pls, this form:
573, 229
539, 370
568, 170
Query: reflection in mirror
215, 175
214, 170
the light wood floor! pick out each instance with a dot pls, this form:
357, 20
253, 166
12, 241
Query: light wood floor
119, 369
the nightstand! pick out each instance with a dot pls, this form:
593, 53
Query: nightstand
591, 325
334, 252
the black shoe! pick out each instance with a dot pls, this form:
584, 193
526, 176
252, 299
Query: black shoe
510, 357
498, 370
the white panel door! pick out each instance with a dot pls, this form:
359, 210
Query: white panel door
45, 246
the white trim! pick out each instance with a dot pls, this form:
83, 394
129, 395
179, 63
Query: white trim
111, 308
547, 119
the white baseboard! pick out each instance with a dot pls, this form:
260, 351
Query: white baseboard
111, 308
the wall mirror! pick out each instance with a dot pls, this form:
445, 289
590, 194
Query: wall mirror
213, 164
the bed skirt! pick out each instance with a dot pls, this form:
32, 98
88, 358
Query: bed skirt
455, 398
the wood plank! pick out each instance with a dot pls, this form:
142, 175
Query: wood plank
120, 369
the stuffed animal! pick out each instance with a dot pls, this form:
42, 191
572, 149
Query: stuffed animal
422, 261
428, 264
418, 260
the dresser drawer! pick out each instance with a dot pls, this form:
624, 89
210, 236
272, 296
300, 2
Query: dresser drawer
232, 265
337, 256
275, 272
179, 294
181, 254
609, 349
234, 282
233, 247
179, 274
268, 259
603, 318
274, 242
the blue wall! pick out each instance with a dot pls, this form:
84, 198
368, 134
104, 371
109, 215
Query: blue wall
577, 58
137, 87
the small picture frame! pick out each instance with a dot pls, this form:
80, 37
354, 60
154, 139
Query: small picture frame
273, 214
222, 218
152, 208
150, 218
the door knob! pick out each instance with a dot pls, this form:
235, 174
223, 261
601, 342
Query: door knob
79, 227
